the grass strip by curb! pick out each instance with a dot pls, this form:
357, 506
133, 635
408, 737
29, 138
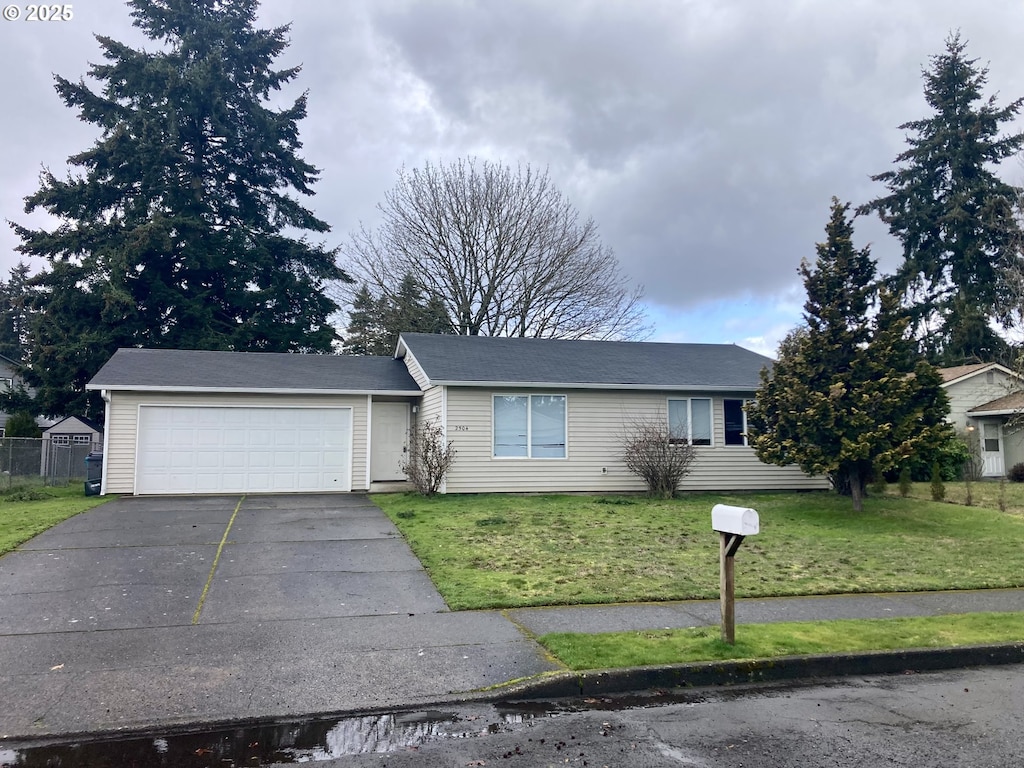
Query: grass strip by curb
760, 641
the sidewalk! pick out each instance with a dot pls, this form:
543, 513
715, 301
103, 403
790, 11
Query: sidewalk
696, 613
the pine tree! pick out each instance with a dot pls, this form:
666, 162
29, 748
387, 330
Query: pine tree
178, 231
375, 323
14, 312
953, 215
365, 334
848, 397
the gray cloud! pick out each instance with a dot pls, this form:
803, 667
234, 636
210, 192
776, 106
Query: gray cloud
705, 137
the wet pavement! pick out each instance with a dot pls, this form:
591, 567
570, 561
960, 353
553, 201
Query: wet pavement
118, 619
921, 720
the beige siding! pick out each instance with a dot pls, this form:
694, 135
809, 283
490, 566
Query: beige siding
431, 406
974, 391
596, 421
119, 460
417, 372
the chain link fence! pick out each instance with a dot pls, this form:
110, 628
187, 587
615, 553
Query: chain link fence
34, 461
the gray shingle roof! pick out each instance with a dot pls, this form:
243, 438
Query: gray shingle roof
240, 371
479, 359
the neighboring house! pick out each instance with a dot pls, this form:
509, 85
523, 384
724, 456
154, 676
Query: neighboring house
523, 415
69, 441
984, 400
74, 430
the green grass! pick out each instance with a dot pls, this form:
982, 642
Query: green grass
27, 512
496, 551
758, 641
984, 493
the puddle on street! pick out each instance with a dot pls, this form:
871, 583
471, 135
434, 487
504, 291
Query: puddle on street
287, 742
309, 741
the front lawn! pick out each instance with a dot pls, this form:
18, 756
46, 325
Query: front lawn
497, 551
28, 511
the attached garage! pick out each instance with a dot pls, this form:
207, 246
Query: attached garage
198, 422
237, 449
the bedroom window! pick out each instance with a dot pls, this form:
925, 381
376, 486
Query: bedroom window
690, 419
529, 426
735, 422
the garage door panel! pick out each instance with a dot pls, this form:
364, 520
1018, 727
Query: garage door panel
216, 449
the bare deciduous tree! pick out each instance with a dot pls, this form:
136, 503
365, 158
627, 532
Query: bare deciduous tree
503, 249
429, 459
660, 459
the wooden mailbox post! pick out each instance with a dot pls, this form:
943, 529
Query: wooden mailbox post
732, 524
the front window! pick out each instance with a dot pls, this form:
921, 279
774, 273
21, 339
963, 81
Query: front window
735, 422
529, 426
690, 420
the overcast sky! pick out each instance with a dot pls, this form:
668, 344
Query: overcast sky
705, 137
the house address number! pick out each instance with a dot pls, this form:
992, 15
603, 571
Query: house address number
460, 428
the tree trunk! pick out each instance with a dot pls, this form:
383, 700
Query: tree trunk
857, 489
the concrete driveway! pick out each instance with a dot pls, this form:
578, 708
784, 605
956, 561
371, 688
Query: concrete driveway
158, 611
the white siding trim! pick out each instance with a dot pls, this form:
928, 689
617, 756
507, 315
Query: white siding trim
106, 437
565, 385
255, 390
369, 436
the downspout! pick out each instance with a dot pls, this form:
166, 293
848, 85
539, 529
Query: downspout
105, 394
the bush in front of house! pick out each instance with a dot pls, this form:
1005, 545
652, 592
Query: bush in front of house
1016, 473
652, 453
430, 457
954, 460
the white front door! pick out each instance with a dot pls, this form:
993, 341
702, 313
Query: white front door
992, 449
389, 434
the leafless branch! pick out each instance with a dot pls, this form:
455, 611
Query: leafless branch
508, 254
429, 459
651, 452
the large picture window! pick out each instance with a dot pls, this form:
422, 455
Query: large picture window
529, 426
690, 419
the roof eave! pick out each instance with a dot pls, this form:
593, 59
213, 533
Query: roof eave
253, 390
595, 385
985, 369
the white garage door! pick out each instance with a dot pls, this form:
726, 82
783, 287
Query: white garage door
214, 449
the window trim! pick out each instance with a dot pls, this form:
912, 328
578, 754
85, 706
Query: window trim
689, 418
529, 426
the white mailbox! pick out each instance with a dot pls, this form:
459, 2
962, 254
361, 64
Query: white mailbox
739, 520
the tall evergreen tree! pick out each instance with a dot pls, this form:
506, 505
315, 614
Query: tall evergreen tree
953, 215
15, 312
178, 232
375, 323
848, 395
365, 334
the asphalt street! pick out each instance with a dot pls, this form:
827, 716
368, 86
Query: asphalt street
964, 718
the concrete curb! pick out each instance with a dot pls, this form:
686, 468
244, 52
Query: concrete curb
721, 673
567, 685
